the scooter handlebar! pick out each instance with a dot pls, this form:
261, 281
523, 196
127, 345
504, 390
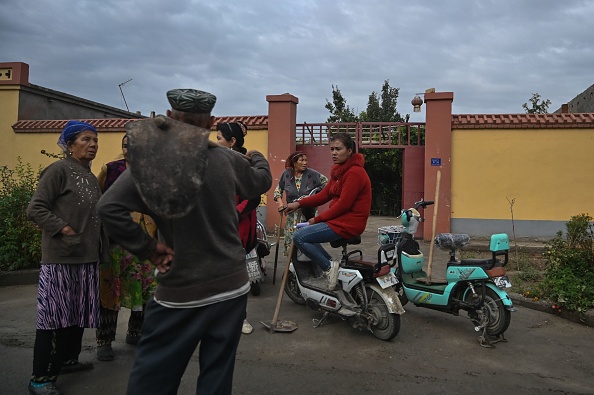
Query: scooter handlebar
423, 203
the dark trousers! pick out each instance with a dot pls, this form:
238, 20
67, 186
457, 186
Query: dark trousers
108, 323
53, 348
170, 337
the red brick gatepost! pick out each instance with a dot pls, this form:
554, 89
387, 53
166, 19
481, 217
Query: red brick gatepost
282, 121
438, 154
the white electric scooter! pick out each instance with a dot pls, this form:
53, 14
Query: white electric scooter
364, 294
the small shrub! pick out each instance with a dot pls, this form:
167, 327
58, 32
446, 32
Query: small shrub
20, 243
532, 292
528, 273
526, 280
569, 276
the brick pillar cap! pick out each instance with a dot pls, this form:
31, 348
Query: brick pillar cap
284, 97
439, 96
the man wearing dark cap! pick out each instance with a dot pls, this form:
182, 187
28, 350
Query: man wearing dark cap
203, 283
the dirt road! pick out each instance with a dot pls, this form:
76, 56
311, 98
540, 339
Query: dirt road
434, 353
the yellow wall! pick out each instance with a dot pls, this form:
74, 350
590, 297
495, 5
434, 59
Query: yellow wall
549, 173
29, 145
9, 101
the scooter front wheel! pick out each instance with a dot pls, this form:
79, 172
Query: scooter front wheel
292, 289
384, 325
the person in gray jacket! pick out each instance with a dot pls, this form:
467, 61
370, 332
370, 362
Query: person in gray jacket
203, 283
63, 206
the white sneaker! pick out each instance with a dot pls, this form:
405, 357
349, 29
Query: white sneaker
332, 274
246, 328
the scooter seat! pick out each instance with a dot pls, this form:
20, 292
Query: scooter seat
345, 242
363, 260
451, 241
486, 263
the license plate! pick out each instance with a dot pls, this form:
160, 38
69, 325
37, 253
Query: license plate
253, 268
387, 280
502, 282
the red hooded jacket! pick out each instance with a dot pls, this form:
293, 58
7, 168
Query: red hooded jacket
349, 194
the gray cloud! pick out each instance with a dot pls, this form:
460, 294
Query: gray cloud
492, 54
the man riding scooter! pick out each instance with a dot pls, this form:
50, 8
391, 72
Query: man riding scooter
349, 194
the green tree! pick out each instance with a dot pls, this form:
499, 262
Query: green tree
339, 110
537, 106
382, 108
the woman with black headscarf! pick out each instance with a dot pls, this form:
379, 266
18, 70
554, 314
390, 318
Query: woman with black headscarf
232, 135
63, 206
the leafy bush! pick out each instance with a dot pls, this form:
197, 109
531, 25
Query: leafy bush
569, 276
20, 240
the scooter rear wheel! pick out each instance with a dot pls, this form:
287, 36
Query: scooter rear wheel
385, 325
493, 310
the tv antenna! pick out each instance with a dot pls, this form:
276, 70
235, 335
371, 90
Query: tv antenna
123, 97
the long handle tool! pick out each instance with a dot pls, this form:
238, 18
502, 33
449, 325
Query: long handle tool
275, 325
278, 231
428, 278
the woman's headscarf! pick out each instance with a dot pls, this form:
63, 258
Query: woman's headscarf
234, 129
70, 131
292, 159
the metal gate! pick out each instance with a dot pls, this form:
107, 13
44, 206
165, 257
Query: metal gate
313, 138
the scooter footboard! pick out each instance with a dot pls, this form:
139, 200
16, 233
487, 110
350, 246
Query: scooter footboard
390, 297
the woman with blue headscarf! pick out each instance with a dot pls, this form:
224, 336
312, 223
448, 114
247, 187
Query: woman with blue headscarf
63, 206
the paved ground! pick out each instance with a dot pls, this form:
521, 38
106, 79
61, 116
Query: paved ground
434, 353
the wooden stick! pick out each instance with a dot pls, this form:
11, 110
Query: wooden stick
280, 223
282, 289
428, 278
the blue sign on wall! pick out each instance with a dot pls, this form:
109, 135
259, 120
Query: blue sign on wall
435, 161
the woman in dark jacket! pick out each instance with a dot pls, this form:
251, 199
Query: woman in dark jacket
296, 181
68, 295
232, 135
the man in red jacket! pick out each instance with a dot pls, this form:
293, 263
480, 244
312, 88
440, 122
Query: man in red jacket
349, 194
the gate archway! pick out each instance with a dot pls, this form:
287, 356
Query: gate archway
312, 138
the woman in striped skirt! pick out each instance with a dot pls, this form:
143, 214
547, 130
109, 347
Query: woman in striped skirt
68, 294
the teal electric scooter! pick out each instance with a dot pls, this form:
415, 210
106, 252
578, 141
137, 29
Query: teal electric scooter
476, 286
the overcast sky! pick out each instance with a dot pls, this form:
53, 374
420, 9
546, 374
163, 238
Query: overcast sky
492, 54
